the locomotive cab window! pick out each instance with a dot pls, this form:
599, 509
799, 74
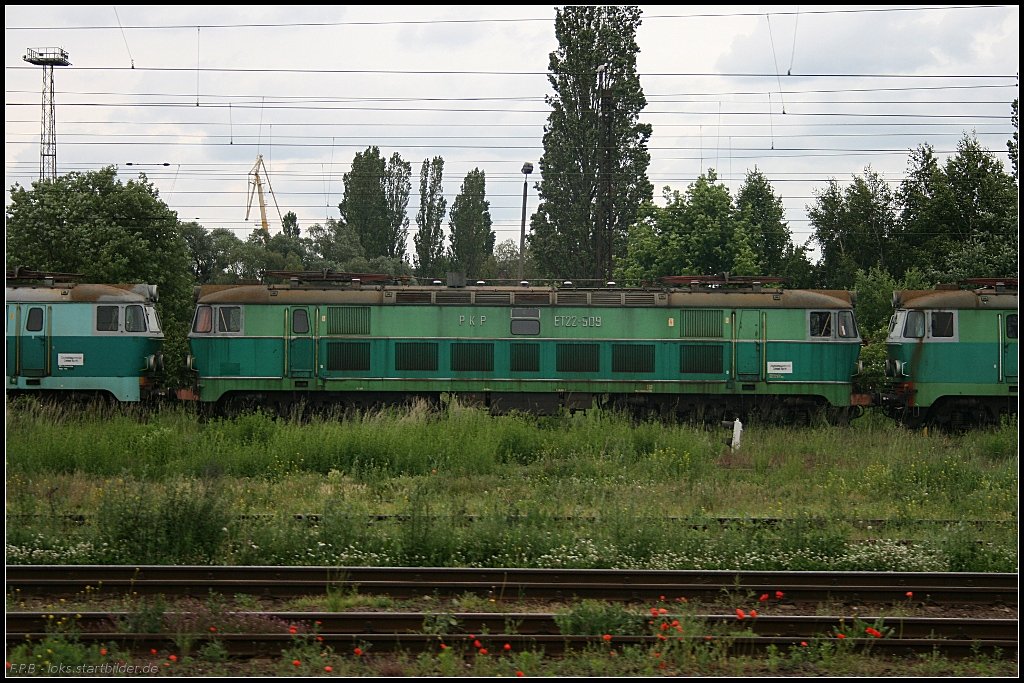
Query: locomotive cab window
1011, 326
35, 320
913, 328
847, 325
204, 320
942, 323
300, 321
107, 318
229, 319
153, 319
134, 319
821, 323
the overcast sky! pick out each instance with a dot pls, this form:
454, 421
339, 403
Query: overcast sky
803, 93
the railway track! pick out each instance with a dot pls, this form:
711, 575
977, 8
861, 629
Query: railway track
405, 631
516, 584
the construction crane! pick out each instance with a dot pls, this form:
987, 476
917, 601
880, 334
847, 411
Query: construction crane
256, 187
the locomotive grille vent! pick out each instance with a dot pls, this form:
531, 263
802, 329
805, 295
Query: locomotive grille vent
524, 357
571, 298
348, 320
412, 297
452, 297
577, 358
416, 356
700, 359
472, 357
343, 356
495, 298
606, 298
632, 358
700, 323
533, 299
639, 298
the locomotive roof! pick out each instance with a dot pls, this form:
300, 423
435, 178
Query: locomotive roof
955, 298
523, 296
81, 293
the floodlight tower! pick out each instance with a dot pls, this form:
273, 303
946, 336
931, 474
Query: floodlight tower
48, 57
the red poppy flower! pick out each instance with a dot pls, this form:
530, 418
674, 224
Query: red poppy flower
328, 669
607, 637
740, 614
840, 635
103, 651
778, 595
763, 598
358, 652
507, 647
296, 662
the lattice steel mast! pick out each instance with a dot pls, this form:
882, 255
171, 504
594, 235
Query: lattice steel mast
48, 57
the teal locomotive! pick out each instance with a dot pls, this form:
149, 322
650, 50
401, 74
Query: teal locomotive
67, 339
951, 355
694, 347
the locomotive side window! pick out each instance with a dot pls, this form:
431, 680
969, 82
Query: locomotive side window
1011, 326
525, 327
942, 323
106, 318
134, 319
154, 320
204, 320
229, 319
914, 327
300, 321
35, 320
821, 324
525, 321
847, 325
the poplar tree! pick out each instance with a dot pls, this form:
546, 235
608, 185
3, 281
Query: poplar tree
594, 166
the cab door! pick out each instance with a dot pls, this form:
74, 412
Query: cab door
33, 341
1009, 350
748, 345
300, 343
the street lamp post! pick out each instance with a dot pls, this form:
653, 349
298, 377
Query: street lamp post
527, 170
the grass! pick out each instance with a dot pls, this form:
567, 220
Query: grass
463, 488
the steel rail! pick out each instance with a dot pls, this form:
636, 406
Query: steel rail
511, 584
532, 623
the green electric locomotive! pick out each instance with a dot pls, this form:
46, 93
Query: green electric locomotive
701, 347
951, 355
66, 339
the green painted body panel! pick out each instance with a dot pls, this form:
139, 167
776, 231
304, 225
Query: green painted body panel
66, 354
269, 356
979, 360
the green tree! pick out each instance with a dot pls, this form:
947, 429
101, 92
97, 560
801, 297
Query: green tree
760, 215
364, 206
708, 227
290, 224
429, 237
397, 187
594, 166
110, 232
959, 219
855, 228
472, 239
1012, 145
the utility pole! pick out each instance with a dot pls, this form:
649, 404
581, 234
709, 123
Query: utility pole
527, 170
603, 237
47, 57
